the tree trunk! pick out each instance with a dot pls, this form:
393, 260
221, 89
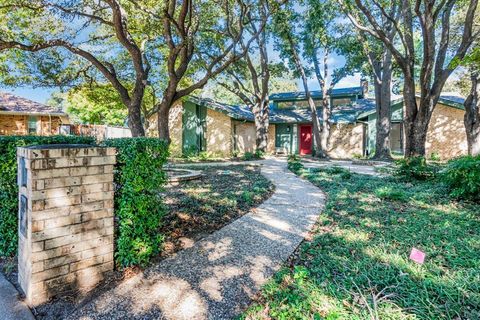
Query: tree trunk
416, 120
325, 129
316, 128
316, 145
472, 117
163, 113
164, 110
383, 97
135, 120
260, 112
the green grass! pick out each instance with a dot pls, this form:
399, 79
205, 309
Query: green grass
356, 265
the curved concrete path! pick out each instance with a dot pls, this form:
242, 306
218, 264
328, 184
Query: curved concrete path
219, 275
11, 307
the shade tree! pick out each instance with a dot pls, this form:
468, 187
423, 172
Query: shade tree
250, 78
323, 34
435, 58
93, 31
174, 47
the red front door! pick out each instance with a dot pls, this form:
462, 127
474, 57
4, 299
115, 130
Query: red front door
305, 139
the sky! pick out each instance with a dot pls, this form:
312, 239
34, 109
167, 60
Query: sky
43, 94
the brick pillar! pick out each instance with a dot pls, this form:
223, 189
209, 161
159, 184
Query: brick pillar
65, 223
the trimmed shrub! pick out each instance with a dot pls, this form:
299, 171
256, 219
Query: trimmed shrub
462, 177
248, 156
415, 168
139, 179
294, 164
8, 182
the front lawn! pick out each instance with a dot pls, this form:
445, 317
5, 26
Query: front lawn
199, 207
194, 209
356, 264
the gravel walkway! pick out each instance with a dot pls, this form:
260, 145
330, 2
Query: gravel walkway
219, 275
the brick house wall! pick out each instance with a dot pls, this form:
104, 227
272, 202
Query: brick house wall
245, 134
176, 126
446, 133
219, 134
346, 140
18, 124
13, 125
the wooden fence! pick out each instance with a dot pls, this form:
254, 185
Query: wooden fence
100, 132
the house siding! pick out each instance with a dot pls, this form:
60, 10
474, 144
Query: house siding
245, 136
13, 125
18, 124
346, 140
219, 134
176, 129
446, 133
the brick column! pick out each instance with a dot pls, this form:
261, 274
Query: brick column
65, 221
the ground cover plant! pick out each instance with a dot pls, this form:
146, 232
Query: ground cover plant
462, 176
198, 207
356, 263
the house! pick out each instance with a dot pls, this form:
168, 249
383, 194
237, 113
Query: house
20, 116
446, 136
203, 125
200, 124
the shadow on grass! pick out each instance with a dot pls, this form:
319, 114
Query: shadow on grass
357, 267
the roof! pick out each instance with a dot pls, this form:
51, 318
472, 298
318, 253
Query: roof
235, 112
448, 100
452, 101
343, 114
300, 95
340, 114
12, 104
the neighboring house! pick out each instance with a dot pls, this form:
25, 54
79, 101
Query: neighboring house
20, 116
203, 125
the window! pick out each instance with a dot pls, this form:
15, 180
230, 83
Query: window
341, 101
32, 125
396, 138
297, 104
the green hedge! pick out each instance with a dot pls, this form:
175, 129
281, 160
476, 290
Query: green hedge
8, 183
139, 179
462, 177
416, 168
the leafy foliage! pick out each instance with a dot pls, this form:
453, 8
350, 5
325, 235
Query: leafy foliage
294, 163
139, 179
9, 187
415, 168
462, 176
249, 156
97, 105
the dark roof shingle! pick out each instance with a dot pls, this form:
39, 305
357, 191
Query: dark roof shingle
347, 113
10, 103
300, 95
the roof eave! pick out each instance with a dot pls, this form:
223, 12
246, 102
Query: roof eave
21, 113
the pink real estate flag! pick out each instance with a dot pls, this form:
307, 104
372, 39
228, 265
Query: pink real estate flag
417, 256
